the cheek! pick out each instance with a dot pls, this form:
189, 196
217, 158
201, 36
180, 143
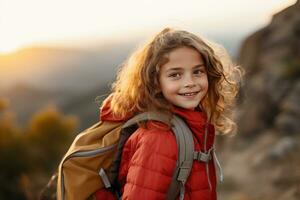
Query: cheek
168, 87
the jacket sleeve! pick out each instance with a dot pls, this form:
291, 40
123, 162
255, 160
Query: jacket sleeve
147, 165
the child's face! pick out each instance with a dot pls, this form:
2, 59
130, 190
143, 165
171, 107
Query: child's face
183, 79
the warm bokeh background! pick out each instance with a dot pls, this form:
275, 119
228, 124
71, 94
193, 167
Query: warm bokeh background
57, 56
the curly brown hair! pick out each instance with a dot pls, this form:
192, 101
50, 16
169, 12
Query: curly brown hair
136, 88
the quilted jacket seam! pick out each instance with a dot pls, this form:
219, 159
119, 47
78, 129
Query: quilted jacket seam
155, 171
143, 187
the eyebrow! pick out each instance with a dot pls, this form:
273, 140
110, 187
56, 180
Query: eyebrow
179, 68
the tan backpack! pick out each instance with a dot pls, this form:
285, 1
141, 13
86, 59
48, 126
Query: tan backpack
92, 162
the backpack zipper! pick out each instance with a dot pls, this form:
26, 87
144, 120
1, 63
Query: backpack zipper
86, 153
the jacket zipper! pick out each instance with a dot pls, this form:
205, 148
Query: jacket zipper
87, 153
206, 164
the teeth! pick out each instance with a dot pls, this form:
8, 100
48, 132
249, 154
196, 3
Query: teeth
189, 94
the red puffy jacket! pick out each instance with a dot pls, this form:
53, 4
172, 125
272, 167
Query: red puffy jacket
149, 158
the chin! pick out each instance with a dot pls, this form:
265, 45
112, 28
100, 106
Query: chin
188, 107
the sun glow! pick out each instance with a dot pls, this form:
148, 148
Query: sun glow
8, 47
24, 23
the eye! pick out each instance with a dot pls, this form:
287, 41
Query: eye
199, 71
174, 75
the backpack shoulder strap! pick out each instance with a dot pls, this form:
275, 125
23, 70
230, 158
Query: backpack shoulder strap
185, 143
146, 116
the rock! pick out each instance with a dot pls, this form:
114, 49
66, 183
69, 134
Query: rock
274, 152
287, 122
281, 148
291, 103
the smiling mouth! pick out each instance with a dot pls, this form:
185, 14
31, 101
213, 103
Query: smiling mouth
189, 93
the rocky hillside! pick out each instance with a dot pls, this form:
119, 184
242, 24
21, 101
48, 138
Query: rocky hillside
262, 161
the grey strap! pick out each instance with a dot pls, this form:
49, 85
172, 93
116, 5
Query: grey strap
147, 116
186, 146
185, 143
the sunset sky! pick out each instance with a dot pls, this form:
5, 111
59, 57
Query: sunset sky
77, 22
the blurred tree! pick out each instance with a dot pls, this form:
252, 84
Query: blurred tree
12, 159
29, 157
48, 135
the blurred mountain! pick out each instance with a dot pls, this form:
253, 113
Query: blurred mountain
263, 161
62, 68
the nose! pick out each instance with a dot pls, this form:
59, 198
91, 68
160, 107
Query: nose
189, 82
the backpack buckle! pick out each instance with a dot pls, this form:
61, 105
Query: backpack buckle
104, 178
183, 174
201, 156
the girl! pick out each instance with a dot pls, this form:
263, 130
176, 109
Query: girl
176, 72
